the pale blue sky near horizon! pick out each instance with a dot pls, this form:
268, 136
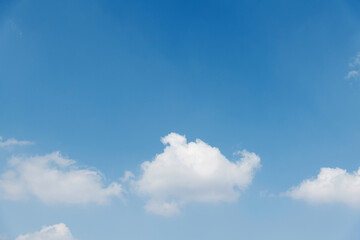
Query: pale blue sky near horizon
103, 81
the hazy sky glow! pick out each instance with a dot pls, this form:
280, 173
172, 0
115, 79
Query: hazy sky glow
179, 120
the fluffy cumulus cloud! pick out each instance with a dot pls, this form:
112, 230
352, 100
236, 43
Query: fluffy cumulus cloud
12, 142
193, 172
53, 178
55, 232
332, 185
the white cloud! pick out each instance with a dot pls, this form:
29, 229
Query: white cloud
12, 142
355, 65
54, 179
332, 185
55, 232
127, 176
356, 61
192, 172
352, 74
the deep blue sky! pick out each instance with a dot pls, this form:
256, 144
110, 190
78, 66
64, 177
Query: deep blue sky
103, 81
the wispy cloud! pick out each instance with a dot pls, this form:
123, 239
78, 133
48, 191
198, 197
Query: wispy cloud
15, 28
352, 75
267, 194
354, 72
13, 142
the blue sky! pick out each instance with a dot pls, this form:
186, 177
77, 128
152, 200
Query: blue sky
103, 81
